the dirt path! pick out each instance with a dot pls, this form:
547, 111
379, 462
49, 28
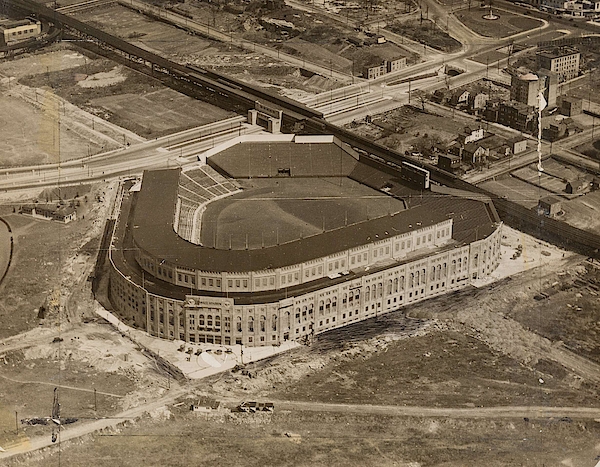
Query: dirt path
61, 386
533, 412
78, 430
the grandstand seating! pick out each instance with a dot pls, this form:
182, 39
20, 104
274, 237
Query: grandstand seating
197, 187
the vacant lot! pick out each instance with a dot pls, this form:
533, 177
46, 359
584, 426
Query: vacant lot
408, 128
95, 369
583, 211
426, 32
30, 135
516, 190
445, 368
127, 98
300, 438
590, 149
42, 251
506, 25
571, 314
289, 210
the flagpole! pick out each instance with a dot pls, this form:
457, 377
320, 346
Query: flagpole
541, 106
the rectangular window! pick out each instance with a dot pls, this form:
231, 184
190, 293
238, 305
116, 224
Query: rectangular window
237, 283
283, 279
218, 282
271, 281
296, 276
365, 257
264, 281
245, 283
256, 283
211, 282
330, 267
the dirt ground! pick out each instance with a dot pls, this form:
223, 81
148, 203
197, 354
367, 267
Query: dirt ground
334, 439
590, 149
426, 32
47, 257
126, 98
571, 314
506, 25
405, 128
185, 48
90, 357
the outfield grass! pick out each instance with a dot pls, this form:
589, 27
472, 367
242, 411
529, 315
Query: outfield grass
272, 211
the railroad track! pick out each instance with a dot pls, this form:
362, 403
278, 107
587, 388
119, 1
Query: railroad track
241, 97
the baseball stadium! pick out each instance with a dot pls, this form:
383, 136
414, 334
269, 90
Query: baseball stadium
282, 237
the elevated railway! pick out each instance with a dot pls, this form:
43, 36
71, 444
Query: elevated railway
239, 96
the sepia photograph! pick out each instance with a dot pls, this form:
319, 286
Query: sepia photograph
300, 233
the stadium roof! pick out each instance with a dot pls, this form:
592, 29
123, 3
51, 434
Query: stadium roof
153, 231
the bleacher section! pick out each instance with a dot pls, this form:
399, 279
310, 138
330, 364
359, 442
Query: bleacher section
197, 187
285, 159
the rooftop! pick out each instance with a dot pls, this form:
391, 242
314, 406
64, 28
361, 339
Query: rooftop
557, 52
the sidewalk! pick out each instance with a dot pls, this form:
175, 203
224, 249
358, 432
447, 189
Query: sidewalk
204, 360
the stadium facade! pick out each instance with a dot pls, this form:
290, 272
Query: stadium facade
179, 272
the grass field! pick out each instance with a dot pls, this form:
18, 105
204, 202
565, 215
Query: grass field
445, 368
507, 25
137, 103
162, 111
334, 439
288, 209
30, 136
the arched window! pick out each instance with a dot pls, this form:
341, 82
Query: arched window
310, 309
432, 278
418, 278
401, 282
476, 260
334, 304
411, 280
321, 306
396, 285
453, 270
344, 300
263, 321
217, 321
274, 322
423, 276
367, 294
201, 320
439, 272
238, 325
444, 270
289, 320
251, 324
380, 289
304, 311
209, 321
